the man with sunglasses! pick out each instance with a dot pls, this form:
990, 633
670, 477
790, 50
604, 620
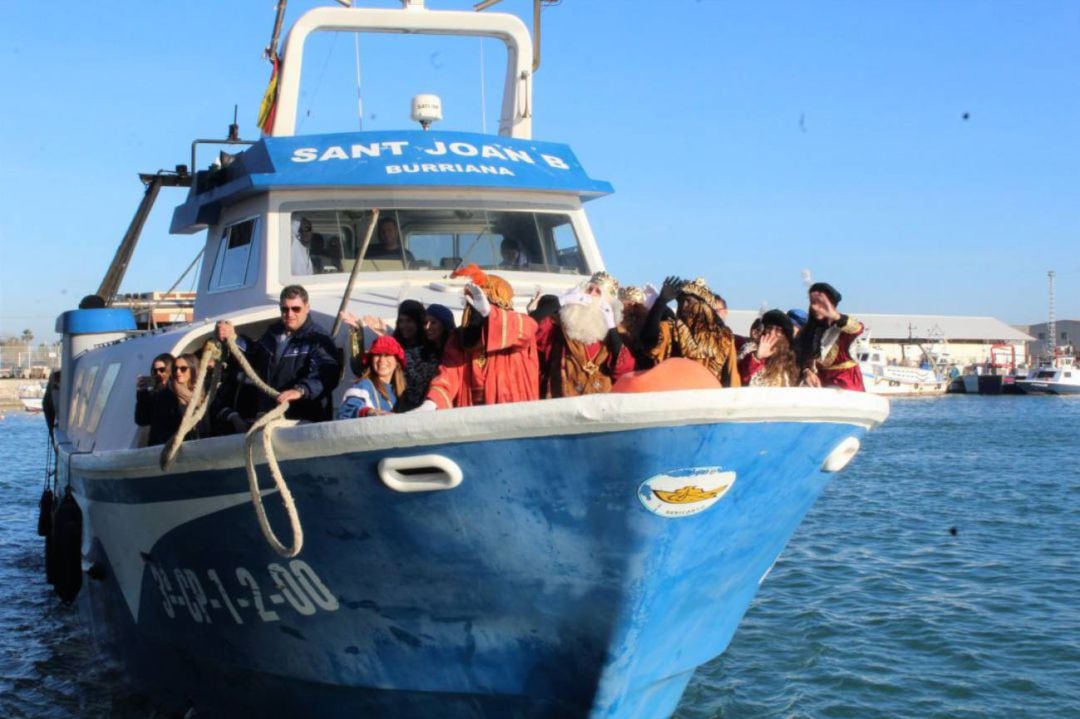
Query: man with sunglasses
294, 356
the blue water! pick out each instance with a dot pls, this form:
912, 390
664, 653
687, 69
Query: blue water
875, 609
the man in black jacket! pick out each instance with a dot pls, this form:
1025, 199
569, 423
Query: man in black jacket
294, 356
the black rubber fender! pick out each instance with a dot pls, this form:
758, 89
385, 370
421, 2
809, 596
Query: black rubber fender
67, 548
45, 512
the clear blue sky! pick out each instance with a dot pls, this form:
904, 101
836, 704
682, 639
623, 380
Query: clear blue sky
746, 141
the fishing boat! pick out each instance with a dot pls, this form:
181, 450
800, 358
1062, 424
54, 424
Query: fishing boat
31, 396
880, 377
1057, 373
1060, 375
573, 557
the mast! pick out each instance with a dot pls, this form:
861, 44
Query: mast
1052, 328
110, 284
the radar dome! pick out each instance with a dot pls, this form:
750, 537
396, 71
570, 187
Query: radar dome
426, 109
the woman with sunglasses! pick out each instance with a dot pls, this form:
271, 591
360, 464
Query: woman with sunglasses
381, 384
171, 402
146, 386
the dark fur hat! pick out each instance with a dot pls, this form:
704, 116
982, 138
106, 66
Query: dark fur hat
777, 318
828, 290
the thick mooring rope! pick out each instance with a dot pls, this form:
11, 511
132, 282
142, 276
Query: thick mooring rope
263, 426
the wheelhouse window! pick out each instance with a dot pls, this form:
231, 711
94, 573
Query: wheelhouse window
236, 263
329, 241
102, 396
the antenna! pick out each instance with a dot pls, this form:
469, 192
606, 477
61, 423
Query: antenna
1052, 328
234, 129
359, 93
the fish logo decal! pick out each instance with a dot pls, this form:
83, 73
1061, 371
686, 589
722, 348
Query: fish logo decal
685, 492
685, 495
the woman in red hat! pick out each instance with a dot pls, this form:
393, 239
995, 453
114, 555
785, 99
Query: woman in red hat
380, 385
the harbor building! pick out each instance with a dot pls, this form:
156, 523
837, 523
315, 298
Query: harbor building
1067, 336
946, 339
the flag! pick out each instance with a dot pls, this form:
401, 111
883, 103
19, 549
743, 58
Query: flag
268, 106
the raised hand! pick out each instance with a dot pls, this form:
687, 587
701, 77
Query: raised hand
476, 297
767, 344
823, 306
671, 288
225, 330
350, 319
376, 324
535, 301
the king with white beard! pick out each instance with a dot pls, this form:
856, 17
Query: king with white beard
581, 351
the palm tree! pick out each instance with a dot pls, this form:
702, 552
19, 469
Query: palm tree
27, 336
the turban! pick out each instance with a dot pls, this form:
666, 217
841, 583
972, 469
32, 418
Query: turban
498, 291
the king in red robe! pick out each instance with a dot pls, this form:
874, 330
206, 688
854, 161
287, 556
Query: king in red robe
492, 357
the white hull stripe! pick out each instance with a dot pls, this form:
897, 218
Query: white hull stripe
127, 531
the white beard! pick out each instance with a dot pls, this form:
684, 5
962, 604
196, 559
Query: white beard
583, 323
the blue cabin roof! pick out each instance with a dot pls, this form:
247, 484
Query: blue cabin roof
386, 159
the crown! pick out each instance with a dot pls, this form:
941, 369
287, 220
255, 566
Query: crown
608, 285
632, 294
698, 289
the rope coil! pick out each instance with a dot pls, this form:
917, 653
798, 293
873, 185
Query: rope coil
263, 427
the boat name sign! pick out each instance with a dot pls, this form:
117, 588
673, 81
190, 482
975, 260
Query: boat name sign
430, 158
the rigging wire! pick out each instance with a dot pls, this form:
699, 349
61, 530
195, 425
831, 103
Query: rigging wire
359, 96
318, 81
483, 91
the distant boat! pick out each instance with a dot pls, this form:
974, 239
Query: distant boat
879, 377
998, 375
31, 395
1059, 376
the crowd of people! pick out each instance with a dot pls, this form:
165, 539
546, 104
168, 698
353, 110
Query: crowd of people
583, 342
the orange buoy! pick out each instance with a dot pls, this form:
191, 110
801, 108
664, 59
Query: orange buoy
670, 375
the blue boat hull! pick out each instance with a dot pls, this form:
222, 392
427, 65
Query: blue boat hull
542, 586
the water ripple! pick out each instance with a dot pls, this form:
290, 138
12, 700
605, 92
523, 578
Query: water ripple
876, 609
